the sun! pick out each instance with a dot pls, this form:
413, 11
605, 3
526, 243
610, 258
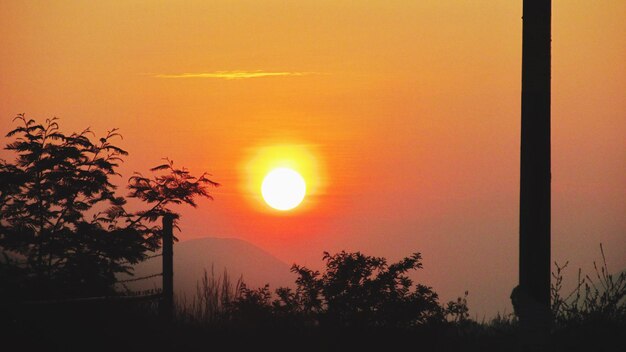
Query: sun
283, 179
283, 189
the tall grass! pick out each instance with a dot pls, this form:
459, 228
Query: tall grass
212, 301
602, 300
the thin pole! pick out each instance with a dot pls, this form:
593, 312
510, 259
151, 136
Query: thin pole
534, 268
167, 302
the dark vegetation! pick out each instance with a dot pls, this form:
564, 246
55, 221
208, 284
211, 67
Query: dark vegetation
62, 224
362, 303
65, 234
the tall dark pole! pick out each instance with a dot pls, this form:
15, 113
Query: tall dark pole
534, 254
167, 302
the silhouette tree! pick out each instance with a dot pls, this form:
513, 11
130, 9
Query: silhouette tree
177, 186
354, 291
45, 199
60, 215
361, 290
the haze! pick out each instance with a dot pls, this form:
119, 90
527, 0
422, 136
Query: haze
412, 108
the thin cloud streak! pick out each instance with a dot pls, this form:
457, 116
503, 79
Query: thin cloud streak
233, 74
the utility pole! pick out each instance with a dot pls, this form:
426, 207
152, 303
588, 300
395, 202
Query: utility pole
535, 177
167, 301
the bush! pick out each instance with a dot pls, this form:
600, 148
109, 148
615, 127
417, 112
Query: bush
355, 291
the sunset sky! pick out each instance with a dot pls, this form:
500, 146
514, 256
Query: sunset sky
403, 116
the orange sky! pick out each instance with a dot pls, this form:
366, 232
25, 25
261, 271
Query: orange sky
411, 109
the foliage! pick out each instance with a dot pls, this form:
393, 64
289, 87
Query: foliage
177, 186
253, 307
46, 198
361, 290
355, 291
457, 311
66, 231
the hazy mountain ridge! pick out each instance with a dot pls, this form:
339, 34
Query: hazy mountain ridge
237, 257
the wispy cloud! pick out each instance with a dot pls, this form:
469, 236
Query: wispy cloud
232, 74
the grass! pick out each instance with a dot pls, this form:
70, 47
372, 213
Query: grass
210, 305
592, 317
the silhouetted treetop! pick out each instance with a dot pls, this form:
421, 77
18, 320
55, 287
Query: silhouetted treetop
362, 290
178, 186
355, 290
49, 199
60, 215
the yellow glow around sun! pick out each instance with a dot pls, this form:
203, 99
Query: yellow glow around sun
283, 189
269, 185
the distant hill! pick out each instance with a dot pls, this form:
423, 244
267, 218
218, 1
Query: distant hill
238, 257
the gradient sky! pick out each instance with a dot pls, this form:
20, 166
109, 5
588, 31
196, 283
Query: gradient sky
410, 110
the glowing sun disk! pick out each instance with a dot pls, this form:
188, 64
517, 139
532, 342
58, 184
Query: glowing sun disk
283, 189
